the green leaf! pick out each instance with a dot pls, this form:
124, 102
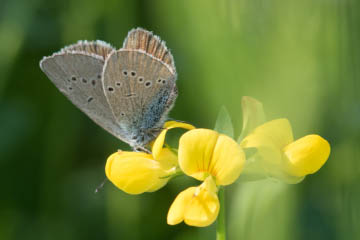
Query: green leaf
253, 116
223, 123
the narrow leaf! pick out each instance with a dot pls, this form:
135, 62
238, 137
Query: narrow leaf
223, 123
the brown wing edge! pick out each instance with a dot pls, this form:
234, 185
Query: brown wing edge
147, 42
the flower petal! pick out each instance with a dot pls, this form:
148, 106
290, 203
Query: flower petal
195, 152
159, 141
167, 159
277, 132
177, 124
196, 206
269, 139
253, 115
204, 206
204, 152
135, 172
306, 155
177, 209
227, 160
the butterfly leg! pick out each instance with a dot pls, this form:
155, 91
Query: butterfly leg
141, 149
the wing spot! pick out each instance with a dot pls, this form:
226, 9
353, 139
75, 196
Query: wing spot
148, 84
130, 95
141, 79
163, 81
125, 73
159, 80
99, 76
110, 89
73, 78
118, 84
93, 82
70, 88
90, 99
84, 80
122, 114
133, 73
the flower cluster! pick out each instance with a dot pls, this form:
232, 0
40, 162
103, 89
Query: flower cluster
263, 150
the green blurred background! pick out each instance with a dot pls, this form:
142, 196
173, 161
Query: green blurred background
300, 58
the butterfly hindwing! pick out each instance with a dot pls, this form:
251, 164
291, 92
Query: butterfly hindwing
138, 88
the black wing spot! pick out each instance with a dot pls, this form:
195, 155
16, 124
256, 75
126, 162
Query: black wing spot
122, 114
70, 88
73, 78
84, 80
141, 79
118, 84
125, 73
133, 73
159, 80
163, 81
110, 89
130, 95
148, 84
93, 82
90, 99
99, 76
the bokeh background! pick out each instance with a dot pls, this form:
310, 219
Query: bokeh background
300, 58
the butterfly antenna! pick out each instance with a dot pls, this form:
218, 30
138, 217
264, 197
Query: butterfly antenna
97, 190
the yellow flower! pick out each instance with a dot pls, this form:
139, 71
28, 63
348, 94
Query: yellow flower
205, 155
196, 206
138, 172
280, 156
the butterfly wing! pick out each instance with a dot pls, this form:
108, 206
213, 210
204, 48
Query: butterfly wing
76, 72
139, 85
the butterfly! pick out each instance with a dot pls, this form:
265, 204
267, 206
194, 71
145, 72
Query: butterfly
128, 92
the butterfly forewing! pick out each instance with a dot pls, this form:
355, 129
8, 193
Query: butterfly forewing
78, 76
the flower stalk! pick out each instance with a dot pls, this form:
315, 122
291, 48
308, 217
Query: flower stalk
221, 221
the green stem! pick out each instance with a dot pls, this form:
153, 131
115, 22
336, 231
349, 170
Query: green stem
221, 224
